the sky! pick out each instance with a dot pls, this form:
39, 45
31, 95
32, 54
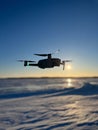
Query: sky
44, 26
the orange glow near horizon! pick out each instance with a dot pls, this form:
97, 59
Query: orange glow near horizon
53, 72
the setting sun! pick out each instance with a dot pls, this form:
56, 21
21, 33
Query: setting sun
68, 66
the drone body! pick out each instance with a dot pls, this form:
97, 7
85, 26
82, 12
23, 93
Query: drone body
49, 62
46, 63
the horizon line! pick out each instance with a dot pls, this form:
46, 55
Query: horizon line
48, 77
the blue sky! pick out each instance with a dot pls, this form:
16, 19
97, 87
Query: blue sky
44, 26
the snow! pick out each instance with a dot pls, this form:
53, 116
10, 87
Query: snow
48, 104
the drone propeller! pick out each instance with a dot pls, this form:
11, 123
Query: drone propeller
48, 53
67, 61
25, 61
41, 54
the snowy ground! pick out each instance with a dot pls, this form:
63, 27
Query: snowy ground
49, 104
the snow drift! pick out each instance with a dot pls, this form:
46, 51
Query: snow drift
48, 104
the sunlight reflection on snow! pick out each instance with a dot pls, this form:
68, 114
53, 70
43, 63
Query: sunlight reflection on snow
69, 82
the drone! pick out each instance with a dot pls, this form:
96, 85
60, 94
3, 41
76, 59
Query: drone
49, 62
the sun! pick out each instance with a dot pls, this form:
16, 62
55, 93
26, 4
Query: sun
68, 67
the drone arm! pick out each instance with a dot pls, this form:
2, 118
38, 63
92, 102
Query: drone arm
33, 64
26, 62
63, 63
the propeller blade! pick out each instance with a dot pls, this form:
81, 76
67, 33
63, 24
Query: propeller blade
25, 61
48, 53
41, 54
67, 61
20, 60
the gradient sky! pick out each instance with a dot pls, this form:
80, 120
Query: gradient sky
44, 26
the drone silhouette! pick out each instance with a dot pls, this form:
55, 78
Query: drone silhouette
49, 62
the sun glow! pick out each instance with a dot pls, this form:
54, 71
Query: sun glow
68, 66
